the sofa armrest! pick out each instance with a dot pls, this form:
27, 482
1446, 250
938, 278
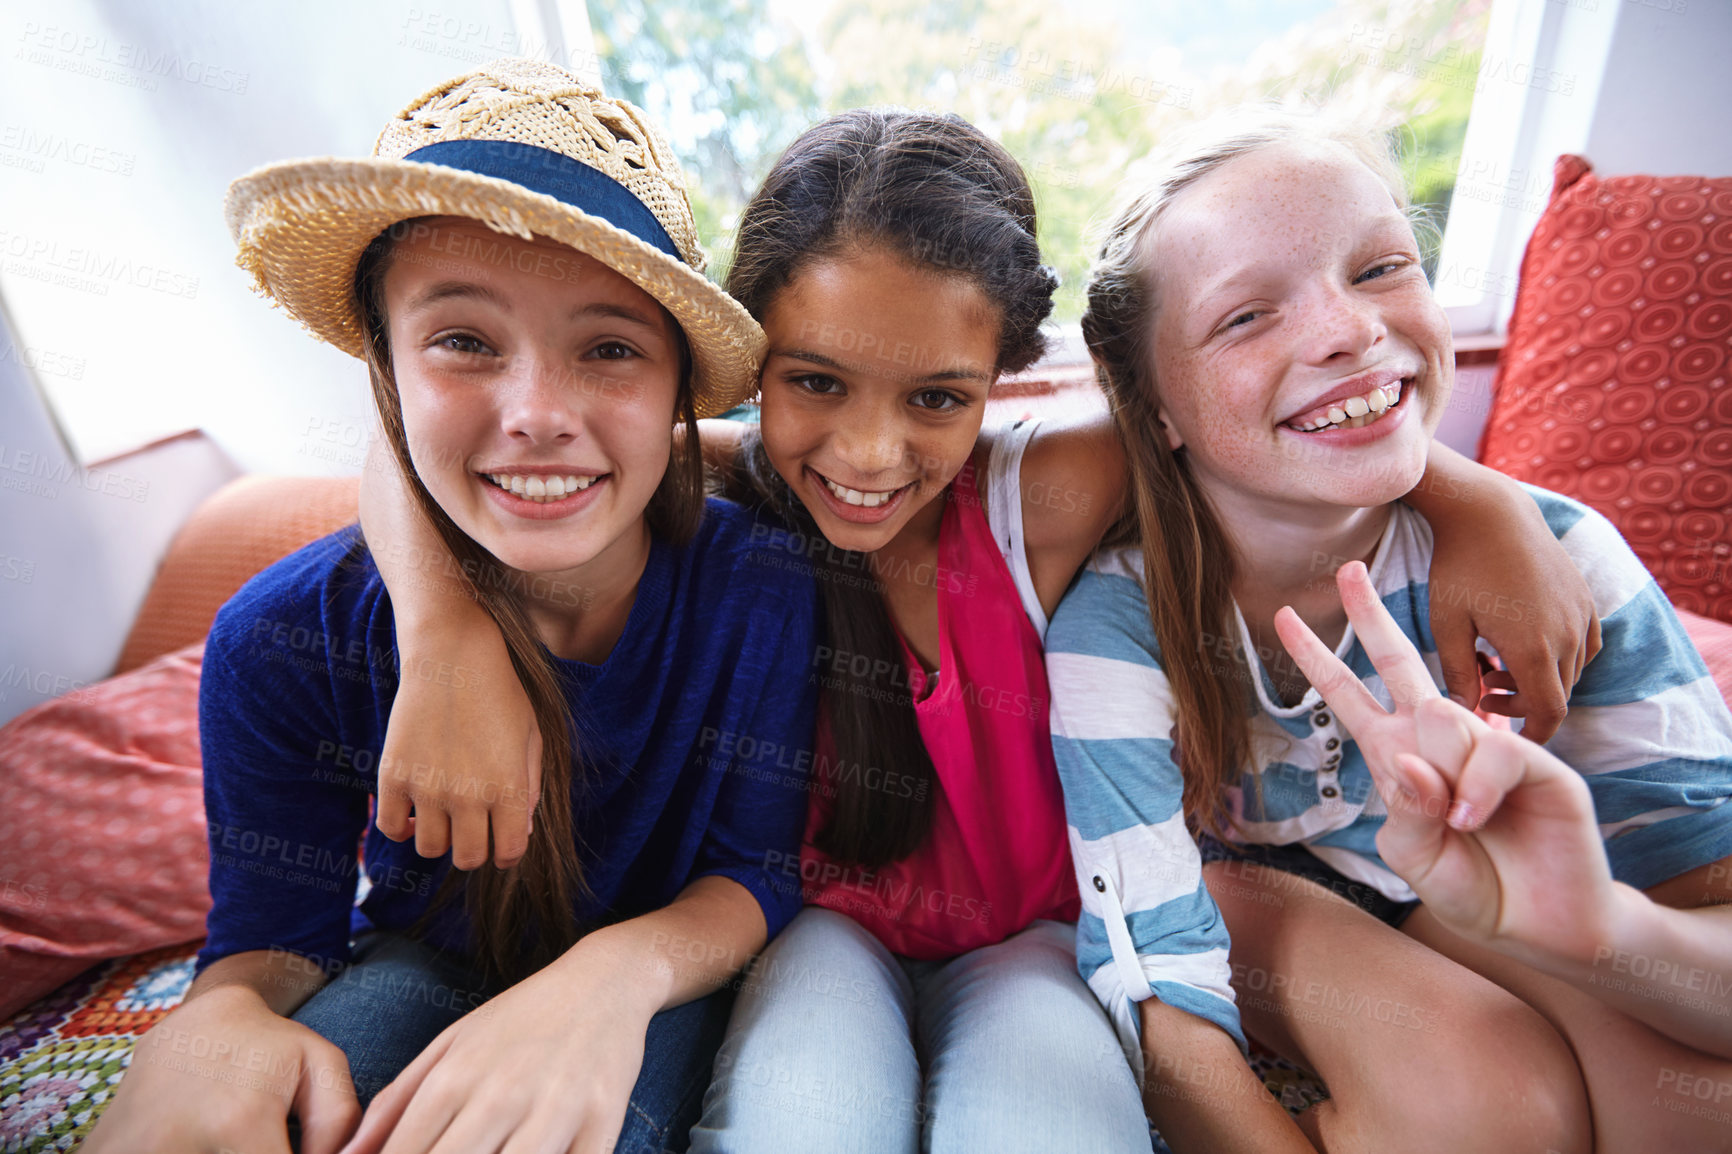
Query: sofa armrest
241, 529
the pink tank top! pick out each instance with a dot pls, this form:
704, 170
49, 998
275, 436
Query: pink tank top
998, 856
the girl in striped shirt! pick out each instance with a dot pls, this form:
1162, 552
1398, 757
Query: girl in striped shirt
1479, 943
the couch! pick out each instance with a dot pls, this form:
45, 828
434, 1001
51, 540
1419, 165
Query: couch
1611, 387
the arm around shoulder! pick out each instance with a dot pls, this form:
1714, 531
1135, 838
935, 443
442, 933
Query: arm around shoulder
721, 441
1074, 487
1494, 549
476, 728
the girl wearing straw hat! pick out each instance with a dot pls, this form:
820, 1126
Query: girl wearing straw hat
892, 259
517, 266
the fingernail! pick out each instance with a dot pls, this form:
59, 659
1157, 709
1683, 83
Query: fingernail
1463, 816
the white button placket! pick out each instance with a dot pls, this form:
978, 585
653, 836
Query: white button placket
1329, 772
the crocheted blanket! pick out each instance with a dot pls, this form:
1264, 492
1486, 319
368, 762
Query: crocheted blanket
61, 1058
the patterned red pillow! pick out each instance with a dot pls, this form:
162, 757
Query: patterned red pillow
1612, 385
102, 820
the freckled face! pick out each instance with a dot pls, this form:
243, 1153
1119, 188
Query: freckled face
538, 390
1299, 352
874, 389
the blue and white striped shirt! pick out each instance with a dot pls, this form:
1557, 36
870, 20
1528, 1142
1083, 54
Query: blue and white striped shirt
1646, 727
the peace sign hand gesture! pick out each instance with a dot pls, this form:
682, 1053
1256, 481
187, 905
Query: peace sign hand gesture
1496, 836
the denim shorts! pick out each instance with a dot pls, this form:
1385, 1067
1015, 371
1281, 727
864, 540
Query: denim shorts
1295, 859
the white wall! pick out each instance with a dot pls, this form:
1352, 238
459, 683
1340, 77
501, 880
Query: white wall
122, 123
1665, 101
122, 316
78, 546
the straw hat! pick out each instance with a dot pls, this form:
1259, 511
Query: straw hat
528, 149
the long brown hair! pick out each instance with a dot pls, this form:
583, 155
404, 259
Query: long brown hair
522, 918
946, 197
1189, 563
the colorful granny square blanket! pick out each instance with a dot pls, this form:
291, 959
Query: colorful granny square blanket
61, 1058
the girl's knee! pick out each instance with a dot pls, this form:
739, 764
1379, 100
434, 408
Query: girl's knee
817, 933
1506, 1081
772, 1101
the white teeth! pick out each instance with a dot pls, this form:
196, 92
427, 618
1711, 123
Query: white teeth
1356, 412
541, 489
857, 497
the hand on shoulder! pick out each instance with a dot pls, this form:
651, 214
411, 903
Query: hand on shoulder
1074, 487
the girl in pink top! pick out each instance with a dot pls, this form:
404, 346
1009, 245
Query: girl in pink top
928, 997
995, 860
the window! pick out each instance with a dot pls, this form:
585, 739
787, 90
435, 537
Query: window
1078, 90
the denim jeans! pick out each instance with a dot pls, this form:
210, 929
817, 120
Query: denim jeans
398, 995
840, 1046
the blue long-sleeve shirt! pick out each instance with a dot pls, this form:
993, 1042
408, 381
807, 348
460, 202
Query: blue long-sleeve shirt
696, 731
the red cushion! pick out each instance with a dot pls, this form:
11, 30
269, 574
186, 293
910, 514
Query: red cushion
1612, 386
243, 527
102, 817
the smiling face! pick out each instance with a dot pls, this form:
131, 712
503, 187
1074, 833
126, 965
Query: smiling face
874, 389
538, 389
1299, 353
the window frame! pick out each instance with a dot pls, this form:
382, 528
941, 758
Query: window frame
1549, 60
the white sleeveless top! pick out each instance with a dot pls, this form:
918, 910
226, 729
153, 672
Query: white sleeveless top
1002, 489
